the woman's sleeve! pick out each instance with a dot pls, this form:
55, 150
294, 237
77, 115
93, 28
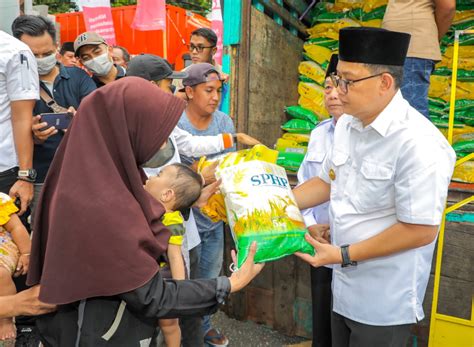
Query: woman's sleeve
174, 299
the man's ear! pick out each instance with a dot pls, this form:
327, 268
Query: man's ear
213, 51
387, 82
189, 92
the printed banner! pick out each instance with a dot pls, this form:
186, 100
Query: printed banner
218, 26
98, 18
150, 15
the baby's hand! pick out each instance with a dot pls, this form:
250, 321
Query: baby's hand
22, 266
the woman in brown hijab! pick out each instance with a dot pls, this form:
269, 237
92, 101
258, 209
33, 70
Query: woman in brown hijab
98, 233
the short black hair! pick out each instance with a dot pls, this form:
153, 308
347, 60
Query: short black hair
126, 55
33, 26
187, 186
208, 34
394, 70
66, 47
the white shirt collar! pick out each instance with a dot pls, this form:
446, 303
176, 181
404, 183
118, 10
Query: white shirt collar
382, 122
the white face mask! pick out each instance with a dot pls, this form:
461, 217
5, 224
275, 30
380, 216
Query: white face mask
99, 66
46, 64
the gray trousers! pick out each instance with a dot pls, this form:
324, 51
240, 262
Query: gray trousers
348, 333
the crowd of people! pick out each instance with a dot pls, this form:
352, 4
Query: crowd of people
119, 245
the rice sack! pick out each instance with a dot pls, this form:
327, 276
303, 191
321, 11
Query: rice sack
261, 207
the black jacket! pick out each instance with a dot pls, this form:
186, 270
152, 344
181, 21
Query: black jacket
130, 319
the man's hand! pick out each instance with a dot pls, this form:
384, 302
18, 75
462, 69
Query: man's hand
42, 135
206, 193
325, 253
247, 140
24, 191
209, 172
320, 232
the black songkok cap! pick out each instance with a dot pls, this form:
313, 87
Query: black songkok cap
373, 46
332, 65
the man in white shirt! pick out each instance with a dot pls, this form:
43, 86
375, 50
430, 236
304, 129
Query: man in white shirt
18, 92
387, 178
317, 218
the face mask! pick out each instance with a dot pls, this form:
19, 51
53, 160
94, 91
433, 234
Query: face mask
46, 64
163, 156
99, 66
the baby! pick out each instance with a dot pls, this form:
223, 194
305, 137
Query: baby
15, 246
177, 187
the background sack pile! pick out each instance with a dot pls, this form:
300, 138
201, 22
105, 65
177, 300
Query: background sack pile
440, 89
323, 41
327, 19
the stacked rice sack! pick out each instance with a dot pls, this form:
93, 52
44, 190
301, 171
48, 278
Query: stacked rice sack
440, 89
327, 19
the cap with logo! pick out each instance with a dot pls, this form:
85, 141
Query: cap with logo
201, 73
87, 38
152, 68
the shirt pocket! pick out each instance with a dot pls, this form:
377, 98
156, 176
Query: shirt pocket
375, 190
338, 173
315, 156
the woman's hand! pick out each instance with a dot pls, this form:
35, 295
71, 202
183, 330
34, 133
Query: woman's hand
25, 303
240, 278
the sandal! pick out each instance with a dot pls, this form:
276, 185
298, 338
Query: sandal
215, 338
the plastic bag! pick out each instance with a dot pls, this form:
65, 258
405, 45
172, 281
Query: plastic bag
285, 145
319, 54
464, 146
290, 161
299, 112
301, 139
464, 172
298, 126
311, 91
261, 207
312, 70
317, 106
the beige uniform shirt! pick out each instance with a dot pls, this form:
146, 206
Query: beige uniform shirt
415, 17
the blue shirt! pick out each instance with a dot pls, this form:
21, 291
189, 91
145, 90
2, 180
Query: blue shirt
220, 123
70, 87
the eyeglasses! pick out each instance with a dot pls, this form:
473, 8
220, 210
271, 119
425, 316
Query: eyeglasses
343, 84
199, 48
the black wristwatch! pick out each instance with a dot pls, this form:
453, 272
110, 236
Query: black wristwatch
346, 259
27, 175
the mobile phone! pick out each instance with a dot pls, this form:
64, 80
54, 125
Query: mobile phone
57, 120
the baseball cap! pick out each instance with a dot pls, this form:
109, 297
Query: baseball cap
152, 68
87, 38
199, 73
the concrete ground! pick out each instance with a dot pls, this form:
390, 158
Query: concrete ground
250, 334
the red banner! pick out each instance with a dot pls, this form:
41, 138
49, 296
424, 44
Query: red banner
218, 27
150, 15
98, 18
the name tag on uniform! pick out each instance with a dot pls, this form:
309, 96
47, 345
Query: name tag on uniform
332, 175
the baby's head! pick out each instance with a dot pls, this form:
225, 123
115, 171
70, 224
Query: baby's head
176, 186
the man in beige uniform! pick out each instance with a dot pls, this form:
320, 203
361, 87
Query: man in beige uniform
426, 21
